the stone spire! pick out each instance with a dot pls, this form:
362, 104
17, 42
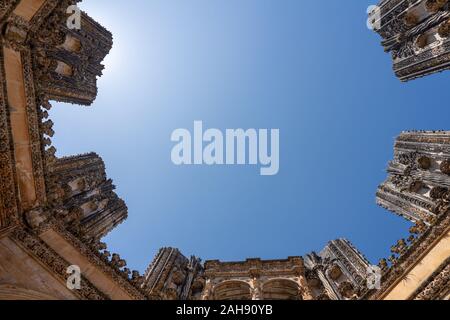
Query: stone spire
83, 196
67, 61
338, 272
171, 275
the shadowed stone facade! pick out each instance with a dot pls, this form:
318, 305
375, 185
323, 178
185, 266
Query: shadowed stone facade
55, 211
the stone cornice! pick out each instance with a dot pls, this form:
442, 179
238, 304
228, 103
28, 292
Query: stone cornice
410, 257
95, 258
53, 262
255, 268
437, 286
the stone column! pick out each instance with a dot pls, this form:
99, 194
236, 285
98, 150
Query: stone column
328, 287
206, 294
256, 289
305, 291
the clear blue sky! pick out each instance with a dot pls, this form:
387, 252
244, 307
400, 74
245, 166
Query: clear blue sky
310, 68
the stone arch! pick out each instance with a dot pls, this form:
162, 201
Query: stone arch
232, 290
11, 292
281, 289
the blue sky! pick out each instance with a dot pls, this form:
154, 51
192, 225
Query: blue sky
312, 70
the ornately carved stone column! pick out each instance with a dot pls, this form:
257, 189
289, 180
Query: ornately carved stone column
418, 184
256, 289
417, 35
305, 291
207, 291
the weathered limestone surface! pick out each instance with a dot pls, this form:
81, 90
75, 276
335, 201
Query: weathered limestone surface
19, 270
